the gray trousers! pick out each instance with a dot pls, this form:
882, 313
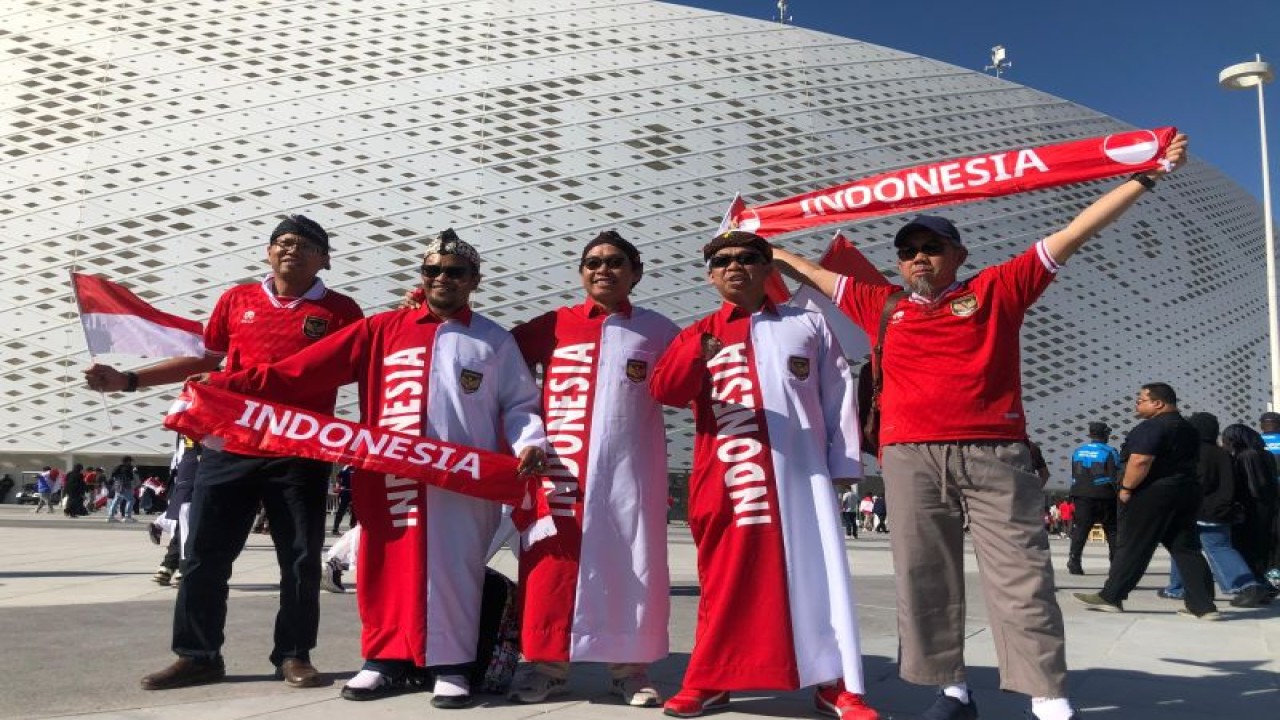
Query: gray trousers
928, 489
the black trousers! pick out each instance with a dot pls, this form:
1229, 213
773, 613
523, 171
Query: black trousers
344, 506
850, 523
1161, 513
228, 490
1091, 511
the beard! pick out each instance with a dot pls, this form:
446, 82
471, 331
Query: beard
922, 286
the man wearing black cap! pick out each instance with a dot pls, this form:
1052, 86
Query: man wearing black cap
598, 589
953, 439
259, 323
1095, 466
775, 414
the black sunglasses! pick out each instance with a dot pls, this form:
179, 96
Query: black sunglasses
453, 272
613, 262
744, 258
932, 248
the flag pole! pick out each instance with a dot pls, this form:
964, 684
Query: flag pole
75, 293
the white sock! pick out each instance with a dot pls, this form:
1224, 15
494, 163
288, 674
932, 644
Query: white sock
365, 680
452, 686
1051, 708
959, 691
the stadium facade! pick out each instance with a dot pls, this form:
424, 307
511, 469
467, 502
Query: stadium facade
156, 143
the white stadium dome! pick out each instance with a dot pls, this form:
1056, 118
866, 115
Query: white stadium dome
157, 143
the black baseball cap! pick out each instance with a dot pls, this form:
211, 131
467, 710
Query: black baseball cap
939, 226
1270, 417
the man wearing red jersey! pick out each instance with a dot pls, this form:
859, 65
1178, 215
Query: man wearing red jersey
598, 589
251, 324
775, 415
953, 438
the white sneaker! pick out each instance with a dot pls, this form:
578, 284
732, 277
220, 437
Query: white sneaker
636, 691
538, 687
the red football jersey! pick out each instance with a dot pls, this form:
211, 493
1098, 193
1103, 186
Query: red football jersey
251, 325
953, 367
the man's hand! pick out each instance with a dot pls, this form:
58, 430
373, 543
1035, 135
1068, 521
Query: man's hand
412, 299
199, 378
1174, 156
532, 461
710, 346
105, 378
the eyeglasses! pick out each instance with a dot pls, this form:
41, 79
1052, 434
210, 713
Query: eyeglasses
613, 262
744, 258
309, 248
453, 272
932, 248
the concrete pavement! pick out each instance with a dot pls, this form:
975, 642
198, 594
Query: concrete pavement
80, 623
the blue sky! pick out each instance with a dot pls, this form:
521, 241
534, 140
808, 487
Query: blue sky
1146, 62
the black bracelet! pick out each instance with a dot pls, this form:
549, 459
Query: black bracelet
1144, 180
132, 377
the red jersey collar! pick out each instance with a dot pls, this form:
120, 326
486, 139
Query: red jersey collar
591, 309
426, 315
729, 311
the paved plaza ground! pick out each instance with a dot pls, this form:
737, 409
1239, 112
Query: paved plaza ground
80, 623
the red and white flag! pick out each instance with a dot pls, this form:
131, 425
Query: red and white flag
117, 321
843, 258
961, 180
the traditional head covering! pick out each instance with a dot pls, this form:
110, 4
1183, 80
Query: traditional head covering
737, 238
611, 237
303, 226
448, 243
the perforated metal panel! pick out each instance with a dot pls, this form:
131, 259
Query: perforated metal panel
157, 143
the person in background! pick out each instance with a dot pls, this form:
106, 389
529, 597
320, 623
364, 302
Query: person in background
1160, 496
1256, 536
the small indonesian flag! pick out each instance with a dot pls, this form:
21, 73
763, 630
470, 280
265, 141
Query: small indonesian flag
117, 321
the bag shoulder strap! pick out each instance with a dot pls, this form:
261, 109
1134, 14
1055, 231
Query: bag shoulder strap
877, 350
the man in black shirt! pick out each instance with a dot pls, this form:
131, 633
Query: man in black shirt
1159, 496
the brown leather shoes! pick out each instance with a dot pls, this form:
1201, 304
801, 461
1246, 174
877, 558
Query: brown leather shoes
299, 673
185, 672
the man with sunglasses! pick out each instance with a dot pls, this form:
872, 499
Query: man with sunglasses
439, 371
598, 589
953, 439
289, 310
775, 413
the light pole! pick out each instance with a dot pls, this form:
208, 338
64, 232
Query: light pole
1240, 77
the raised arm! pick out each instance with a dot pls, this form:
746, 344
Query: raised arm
1106, 209
806, 271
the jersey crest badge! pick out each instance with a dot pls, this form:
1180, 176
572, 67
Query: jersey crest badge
315, 327
470, 380
247, 317
964, 306
799, 367
637, 370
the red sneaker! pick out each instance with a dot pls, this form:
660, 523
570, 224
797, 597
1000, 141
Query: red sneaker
837, 702
690, 702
